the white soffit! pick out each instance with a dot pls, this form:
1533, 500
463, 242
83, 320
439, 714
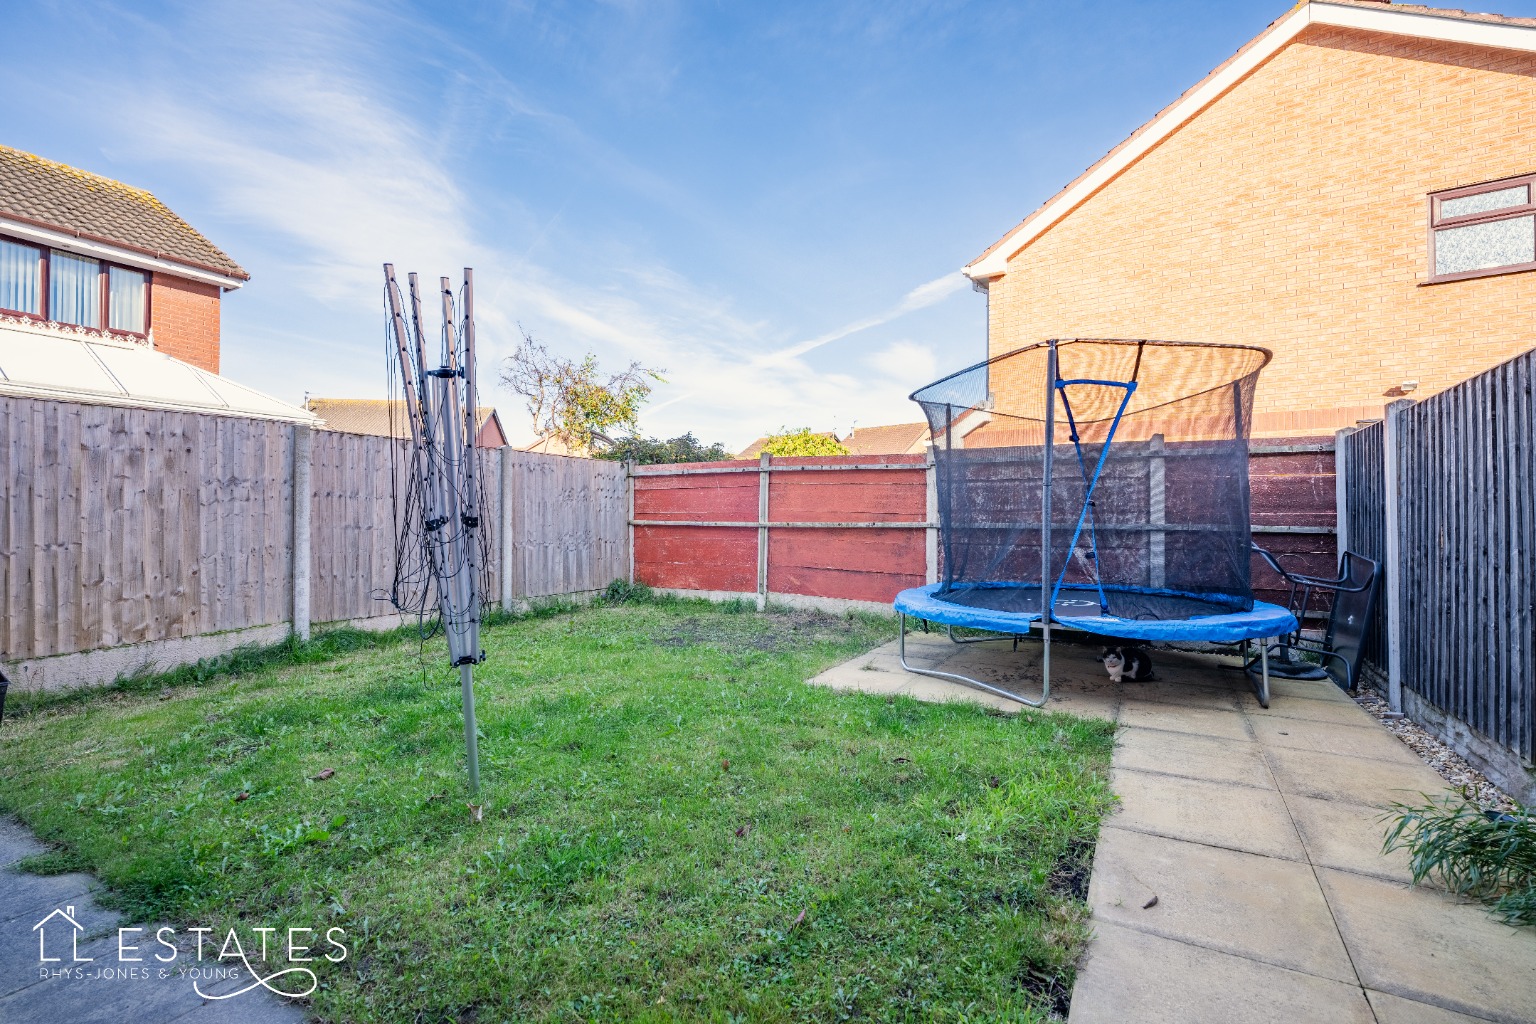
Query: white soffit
1385, 19
37, 362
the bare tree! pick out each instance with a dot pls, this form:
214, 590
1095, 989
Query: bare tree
572, 401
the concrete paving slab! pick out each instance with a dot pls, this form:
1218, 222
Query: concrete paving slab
1214, 813
1342, 712
890, 661
89, 999
1136, 976
16, 842
1237, 762
1431, 947
1353, 779
19, 950
1367, 739
849, 677
1084, 705
1015, 675
1176, 718
1212, 697
30, 896
246, 1009
1346, 836
1259, 907
999, 653
1396, 1010
1298, 689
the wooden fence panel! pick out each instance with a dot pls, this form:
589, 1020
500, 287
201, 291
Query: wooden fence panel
1468, 494
570, 524
123, 525
1366, 501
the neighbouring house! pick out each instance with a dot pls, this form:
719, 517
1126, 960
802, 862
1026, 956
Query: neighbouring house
379, 417
895, 439
551, 445
107, 297
1353, 190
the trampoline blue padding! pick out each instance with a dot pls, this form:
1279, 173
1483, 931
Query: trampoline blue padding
1014, 608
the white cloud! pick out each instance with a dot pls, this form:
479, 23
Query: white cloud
317, 155
921, 297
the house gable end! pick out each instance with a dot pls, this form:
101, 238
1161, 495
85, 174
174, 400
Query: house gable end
1414, 22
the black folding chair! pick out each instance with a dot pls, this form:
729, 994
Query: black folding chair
1337, 655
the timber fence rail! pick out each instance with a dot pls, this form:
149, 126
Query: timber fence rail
124, 529
1443, 492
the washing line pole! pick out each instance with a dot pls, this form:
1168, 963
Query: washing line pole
443, 472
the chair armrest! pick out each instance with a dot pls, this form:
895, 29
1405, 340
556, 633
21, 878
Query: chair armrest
1269, 559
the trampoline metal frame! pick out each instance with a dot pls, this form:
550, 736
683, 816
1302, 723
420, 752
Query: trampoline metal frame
1052, 385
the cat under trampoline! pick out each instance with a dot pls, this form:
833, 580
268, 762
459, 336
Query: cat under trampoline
1133, 518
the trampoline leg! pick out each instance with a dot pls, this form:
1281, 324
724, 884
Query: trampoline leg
1261, 688
901, 650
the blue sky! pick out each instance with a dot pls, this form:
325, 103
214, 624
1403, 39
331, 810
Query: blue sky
771, 201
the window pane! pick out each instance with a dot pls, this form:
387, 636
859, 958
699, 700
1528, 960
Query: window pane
20, 278
125, 304
74, 290
1500, 243
1483, 202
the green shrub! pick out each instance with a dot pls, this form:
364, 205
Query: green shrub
803, 442
1477, 853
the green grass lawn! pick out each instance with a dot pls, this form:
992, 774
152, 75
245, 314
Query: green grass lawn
675, 826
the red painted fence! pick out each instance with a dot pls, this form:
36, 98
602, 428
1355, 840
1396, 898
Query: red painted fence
828, 534
862, 561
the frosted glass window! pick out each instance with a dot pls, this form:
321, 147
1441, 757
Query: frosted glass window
125, 300
1499, 243
74, 290
21, 278
1486, 202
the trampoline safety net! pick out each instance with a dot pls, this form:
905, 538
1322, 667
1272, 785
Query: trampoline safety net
1148, 478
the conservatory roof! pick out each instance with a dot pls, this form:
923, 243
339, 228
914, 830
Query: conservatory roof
47, 362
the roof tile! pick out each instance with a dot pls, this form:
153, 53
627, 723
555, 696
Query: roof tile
69, 199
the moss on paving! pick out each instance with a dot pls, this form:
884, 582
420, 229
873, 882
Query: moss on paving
676, 827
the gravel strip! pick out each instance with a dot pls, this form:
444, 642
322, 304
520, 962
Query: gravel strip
1453, 768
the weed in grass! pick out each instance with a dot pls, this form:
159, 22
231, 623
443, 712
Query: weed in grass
672, 832
1477, 853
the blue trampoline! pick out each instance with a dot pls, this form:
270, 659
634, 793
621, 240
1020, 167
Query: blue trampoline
1111, 475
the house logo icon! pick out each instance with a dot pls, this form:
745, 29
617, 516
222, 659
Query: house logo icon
75, 928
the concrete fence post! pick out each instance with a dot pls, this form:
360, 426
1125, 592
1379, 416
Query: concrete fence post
629, 482
762, 531
508, 495
931, 547
303, 455
1341, 469
1392, 560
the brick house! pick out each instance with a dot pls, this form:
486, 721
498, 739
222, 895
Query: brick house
86, 252
386, 418
1352, 190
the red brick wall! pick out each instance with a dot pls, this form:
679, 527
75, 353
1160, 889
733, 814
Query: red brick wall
1293, 489
184, 317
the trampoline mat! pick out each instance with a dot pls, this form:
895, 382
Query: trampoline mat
1133, 614
1079, 601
